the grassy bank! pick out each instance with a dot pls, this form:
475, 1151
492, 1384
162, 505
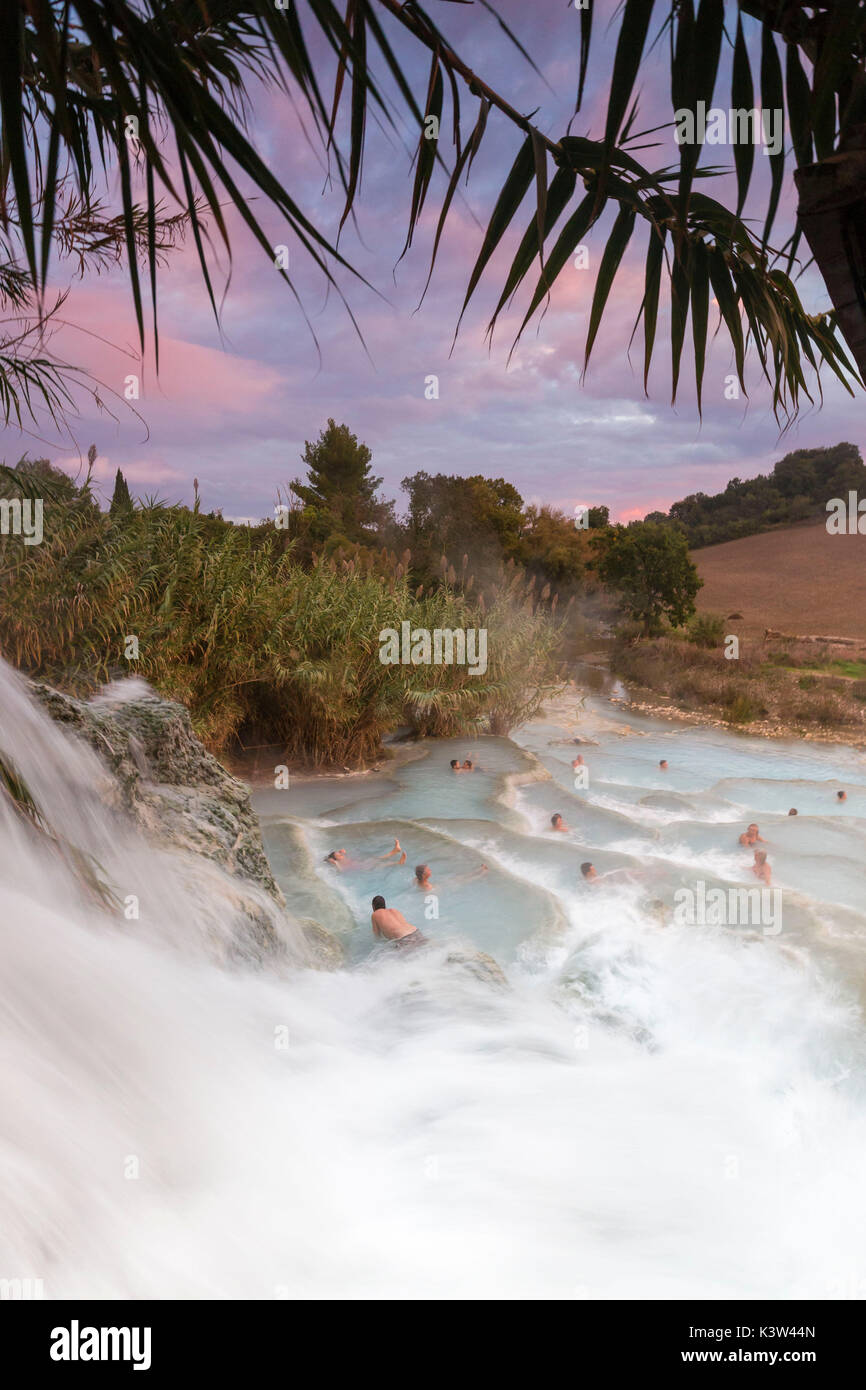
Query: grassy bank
798, 687
259, 647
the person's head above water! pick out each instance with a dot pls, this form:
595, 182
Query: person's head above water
793, 811
422, 871
336, 856
663, 763
378, 902
556, 820
588, 870
467, 766
454, 764
841, 796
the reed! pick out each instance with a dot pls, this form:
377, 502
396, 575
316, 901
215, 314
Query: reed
256, 645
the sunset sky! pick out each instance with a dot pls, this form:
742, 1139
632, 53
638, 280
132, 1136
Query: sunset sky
234, 408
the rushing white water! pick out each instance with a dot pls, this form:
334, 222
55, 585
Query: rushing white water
649, 1110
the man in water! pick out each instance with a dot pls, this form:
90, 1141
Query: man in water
339, 859
558, 823
389, 923
841, 796
761, 868
577, 762
589, 871
663, 764
793, 811
422, 878
750, 836
456, 766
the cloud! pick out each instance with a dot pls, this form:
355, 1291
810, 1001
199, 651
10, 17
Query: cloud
235, 410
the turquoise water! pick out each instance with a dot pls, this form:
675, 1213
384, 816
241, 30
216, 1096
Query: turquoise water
663, 1109
645, 1108
664, 828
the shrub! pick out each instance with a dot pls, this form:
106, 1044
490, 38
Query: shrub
707, 629
741, 710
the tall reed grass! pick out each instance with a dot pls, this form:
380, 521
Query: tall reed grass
257, 646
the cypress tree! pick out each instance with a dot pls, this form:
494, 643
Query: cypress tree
121, 500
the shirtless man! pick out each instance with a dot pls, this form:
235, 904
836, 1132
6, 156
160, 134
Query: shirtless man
761, 868
589, 871
663, 764
557, 823
457, 767
577, 762
389, 923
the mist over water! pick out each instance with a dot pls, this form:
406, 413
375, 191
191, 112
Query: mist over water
648, 1110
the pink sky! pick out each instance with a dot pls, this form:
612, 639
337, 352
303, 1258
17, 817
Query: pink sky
235, 409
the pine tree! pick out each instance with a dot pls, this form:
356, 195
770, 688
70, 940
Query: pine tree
340, 493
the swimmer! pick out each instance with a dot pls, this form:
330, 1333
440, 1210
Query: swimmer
589, 871
456, 766
751, 836
339, 859
396, 850
557, 823
422, 879
577, 762
793, 811
390, 924
663, 764
761, 868
841, 796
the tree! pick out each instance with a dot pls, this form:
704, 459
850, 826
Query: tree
798, 488
158, 87
340, 494
552, 548
121, 501
649, 567
453, 516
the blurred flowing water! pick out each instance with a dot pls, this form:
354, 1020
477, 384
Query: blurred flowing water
647, 1110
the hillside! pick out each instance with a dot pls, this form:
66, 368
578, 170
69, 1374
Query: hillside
796, 580
795, 491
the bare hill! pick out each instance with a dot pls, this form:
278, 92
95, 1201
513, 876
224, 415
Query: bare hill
797, 580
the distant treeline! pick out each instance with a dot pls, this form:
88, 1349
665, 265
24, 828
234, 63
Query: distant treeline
797, 489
